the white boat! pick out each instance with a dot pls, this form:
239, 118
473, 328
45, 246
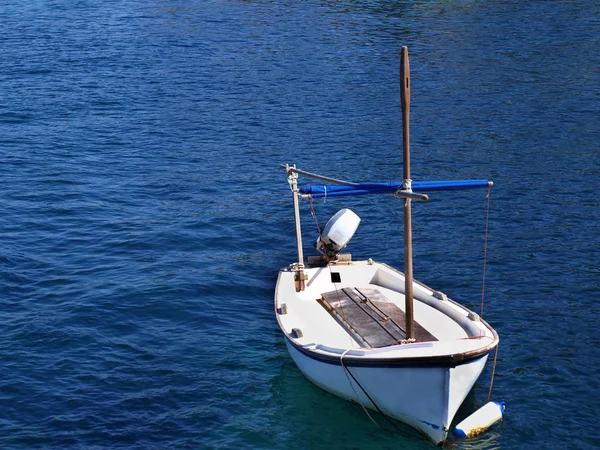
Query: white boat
369, 333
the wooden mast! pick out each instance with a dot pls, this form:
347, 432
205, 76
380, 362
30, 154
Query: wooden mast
408, 267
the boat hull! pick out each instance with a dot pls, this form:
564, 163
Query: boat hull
422, 382
426, 397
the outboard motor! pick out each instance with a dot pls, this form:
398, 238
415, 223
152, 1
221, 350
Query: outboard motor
337, 233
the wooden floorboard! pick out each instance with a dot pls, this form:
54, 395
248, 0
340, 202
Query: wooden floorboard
370, 315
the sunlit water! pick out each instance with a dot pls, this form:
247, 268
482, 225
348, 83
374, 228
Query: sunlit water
144, 216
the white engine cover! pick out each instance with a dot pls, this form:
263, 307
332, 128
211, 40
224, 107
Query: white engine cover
338, 231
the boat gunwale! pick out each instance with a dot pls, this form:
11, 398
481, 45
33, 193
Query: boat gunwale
442, 361
464, 308
375, 360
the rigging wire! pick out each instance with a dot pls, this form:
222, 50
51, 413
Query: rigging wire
485, 244
314, 214
347, 370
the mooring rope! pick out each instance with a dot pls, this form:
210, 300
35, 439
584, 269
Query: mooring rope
347, 372
493, 373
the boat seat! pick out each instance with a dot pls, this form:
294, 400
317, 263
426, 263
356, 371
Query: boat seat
373, 319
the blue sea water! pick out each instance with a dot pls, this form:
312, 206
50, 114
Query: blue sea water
144, 217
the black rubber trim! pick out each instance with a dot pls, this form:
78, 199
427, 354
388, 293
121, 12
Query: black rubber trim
448, 361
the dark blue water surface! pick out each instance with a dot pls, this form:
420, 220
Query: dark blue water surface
144, 217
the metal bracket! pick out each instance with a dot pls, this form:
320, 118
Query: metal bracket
401, 193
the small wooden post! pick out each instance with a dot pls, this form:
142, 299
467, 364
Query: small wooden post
299, 277
408, 267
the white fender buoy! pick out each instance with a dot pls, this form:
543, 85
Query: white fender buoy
480, 420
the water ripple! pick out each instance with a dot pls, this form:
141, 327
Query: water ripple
144, 216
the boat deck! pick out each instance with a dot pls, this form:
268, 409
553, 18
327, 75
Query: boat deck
374, 319
324, 319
